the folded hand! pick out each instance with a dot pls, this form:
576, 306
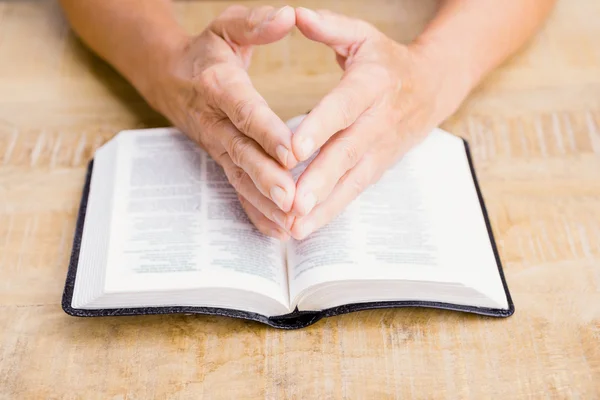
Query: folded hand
207, 93
388, 99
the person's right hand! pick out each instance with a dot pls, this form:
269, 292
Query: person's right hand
205, 91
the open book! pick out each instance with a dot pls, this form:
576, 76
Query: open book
160, 230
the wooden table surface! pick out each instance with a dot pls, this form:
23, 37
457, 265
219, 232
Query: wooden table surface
534, 127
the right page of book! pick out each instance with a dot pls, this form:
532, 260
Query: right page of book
422, 222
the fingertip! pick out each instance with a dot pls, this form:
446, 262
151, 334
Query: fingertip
283, 196
305, 21
279, 23
306, 135
279, 136
279, 217
282, 154
295, 210
290, 195
330, 28
302, 229
304, 14
288, 203
286, 14
307, 203
291, 160
302, 146
286, 157
278, 196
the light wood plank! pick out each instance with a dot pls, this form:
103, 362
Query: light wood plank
534, 129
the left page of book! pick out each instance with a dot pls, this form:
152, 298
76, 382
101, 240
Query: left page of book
176, 226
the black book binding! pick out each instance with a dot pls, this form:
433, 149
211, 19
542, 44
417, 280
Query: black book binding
294, 320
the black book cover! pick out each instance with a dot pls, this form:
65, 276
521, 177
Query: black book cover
294, 320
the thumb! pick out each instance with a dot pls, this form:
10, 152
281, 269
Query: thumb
242, 26
334, 30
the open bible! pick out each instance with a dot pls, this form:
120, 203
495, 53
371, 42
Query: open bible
160, 230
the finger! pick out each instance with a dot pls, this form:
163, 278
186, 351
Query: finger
243, 184
242, 26
341, 153
249, 112
353, 183
270, 178
334, 30
338, 110
262, 223
355, 93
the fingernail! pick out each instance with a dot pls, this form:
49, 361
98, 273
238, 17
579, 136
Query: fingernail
279, 217
278, 196
282, 153
273, 14
308, 203
306, 147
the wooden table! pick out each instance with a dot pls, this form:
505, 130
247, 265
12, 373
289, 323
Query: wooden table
534, 127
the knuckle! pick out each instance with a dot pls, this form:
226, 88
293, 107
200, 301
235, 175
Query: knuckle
343, 110
252, 21
345, 101
216, 77
255, 16
349, 151
260, 175
206, 120
236, 177
346, 114
358, 185
207, 83
238, 147
208, 77
244, 114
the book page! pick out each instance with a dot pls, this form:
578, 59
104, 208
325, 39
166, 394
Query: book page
386, 233
178, 224
421, 222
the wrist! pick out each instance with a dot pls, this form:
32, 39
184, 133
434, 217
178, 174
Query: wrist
452, 59
451, 75
154, 78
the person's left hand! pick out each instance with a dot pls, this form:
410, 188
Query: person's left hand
389, 98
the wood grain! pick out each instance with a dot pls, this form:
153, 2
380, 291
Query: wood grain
534, 128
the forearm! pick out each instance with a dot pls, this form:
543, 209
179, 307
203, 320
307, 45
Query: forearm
135, 36
474, 36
